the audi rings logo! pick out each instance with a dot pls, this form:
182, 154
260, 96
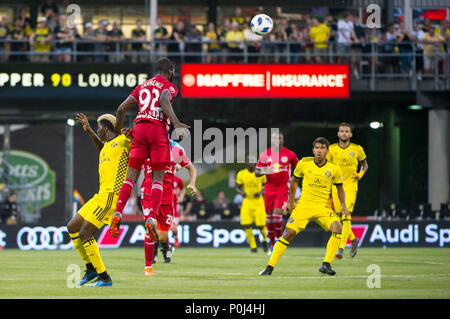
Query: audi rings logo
39, 238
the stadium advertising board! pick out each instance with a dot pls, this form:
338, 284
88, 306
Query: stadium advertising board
223, 234
264, 81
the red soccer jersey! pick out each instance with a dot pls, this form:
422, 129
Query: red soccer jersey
281, 163
178, 157
147, 96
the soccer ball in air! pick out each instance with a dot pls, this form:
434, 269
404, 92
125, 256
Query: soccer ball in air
261, 24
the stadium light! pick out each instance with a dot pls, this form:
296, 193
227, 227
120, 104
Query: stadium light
70, 122
415, 107
375, 125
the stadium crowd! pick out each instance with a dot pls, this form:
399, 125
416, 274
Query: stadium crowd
302, 38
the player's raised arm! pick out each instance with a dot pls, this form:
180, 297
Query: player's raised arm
166, 105
123, 108
192, 178
83, 120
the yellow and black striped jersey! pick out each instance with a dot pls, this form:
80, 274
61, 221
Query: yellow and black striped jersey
113, 164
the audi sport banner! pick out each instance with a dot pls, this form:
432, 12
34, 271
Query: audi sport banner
265, 81
228, 234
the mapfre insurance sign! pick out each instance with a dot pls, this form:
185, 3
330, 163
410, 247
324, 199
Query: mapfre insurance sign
265, 81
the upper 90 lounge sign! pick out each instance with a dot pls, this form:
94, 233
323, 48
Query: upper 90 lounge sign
265, 81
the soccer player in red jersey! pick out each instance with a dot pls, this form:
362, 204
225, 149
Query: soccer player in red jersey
166, 210
178, 195
276, 163
154, 98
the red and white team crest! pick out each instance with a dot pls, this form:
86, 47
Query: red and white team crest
284, 159
107, 241
360, 232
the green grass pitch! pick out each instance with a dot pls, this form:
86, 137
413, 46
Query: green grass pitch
231, 273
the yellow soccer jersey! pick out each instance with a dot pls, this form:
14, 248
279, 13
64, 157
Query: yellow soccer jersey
251, 184
113, 164
348, 160
317, 182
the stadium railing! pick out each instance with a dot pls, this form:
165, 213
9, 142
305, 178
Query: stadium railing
370, 59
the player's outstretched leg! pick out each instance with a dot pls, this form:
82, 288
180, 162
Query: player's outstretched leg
149, 252
278, 251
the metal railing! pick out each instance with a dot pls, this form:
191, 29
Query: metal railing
371, 60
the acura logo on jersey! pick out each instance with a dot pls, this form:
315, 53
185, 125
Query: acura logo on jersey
39, 238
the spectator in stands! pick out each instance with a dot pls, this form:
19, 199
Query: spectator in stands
52, 17
221, 202
390, 62
161, 34
24, 14
418, 34
63, 41
17, 32
295, 39
426, 26
89, 35
40, 41
404, 40
309, 45
238, 17
226, 26
444, 31
357, 47
4, 35
193, 45
374, 38
345, 38
235, 39
177, 45
9, 213
213, 47
49, 4
282, 32
320, 35
138, 34
432, 43
195, 208
100, 36
331, 22
116, 38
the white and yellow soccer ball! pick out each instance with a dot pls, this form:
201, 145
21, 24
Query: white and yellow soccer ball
261, 24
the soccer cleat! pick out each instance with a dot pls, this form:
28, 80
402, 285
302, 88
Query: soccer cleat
253, 250
148, 272
88, 276
340, 253
115, 225
177, 242
265, 247
167, 254
99, 283
267, 271
150, 226
355, 243
326, 269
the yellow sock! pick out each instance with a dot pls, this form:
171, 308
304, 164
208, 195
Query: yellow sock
93, 253
79, 247
250, 237
346, 232
264, 233
332, 247
278, 251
